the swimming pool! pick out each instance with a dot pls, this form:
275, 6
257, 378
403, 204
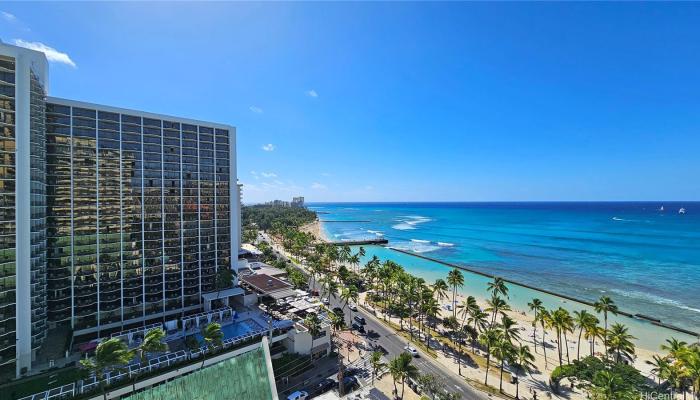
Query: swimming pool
236, 329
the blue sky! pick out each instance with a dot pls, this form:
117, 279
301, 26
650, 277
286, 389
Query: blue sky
404, 101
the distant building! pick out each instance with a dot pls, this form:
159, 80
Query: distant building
298, 201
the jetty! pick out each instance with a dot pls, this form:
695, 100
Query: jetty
346, 220
360, 242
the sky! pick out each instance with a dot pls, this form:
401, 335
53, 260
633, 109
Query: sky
403, 101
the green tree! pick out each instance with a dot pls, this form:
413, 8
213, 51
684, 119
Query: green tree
152, 343
523, 362
376, 363
401, 369
497, 287
504, 351
111, 354
489, 339
605, 305
455, 279
313, 324
620, 342
584, 321
213, 337
535, 306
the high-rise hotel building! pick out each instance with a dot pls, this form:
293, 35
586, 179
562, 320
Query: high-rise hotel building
110, 218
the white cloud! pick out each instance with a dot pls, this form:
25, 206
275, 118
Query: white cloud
325, 174
318, 186
52, 54
268, 174
369, 187
311, 93
8, 17
256, 109
268, 147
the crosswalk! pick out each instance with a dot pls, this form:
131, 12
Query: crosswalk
364, 377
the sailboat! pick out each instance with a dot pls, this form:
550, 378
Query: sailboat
662, 208
681, 211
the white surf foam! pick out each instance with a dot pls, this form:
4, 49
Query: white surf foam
420, 241
403, 227
445, 244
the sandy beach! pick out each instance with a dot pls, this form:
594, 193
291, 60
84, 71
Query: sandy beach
524, 319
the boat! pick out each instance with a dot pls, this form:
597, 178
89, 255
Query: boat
662, 208
681, 211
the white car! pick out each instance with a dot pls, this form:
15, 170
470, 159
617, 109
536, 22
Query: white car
411, 350
298, 395
326, 301
352, 306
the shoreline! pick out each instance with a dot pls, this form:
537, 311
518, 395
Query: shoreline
647, 323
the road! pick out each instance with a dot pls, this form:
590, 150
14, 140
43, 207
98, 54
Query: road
394, 345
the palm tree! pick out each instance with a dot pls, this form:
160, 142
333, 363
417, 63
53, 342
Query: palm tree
659, 366
691, 360
545, 319
431, 310
510, 329
109, 354
452, 324
583, 321
440, 289
455, 278
152, 343
536, 306
479, 320
468, 308
402, 369
620, 342
523, 361
348, 294
496, 305
489, 338
313, 324
605, 305
376, 363
675, 348
504, 351
213, 337
498, 286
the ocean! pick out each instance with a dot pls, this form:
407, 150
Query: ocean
645, 258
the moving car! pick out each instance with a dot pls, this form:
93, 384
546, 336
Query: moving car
360, 320
298, 395
326, 301
352, 306
358, 327
411, 350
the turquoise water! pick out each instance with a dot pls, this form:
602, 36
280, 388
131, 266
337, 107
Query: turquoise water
236, 329
646, 259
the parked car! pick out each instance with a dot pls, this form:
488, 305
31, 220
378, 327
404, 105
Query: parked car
358, 327
352, 306
315, 293
411, 350
298, 395
325, 385
350, 383
360, 320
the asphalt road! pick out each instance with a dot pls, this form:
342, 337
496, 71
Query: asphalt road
394, 345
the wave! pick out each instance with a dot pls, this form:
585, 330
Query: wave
403, 227
420, 241
654, 299
445, 244
378, 233
415, 247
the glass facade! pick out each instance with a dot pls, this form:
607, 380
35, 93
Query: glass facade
138, 215
7, 216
